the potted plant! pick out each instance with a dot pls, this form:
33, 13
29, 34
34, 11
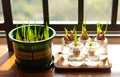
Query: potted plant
75, 46
92, 56
100, 32
75, 49
101, 38
68, 38
84, 36
32, 46
92, 46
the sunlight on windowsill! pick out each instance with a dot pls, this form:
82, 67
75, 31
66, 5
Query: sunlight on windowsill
7, 60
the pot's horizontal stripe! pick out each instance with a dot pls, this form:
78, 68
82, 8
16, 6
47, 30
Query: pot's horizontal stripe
32, 47
33, 55
42, 54
23, 55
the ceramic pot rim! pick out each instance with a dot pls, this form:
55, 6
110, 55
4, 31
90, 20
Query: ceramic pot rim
14, 40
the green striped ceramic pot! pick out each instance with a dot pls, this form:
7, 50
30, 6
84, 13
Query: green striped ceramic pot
35, 55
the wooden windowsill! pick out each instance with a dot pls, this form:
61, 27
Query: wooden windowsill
9, 69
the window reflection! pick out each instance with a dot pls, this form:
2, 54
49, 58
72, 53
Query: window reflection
27, 10
97, 10
1, 13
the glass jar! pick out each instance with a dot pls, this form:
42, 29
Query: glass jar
92, 58
75, 58
92, 48
102, 51
103, 45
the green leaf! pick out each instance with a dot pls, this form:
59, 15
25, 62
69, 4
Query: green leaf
106, 28
46, 32
66, 32
38, 35
24, 32
28, 32
35, 32
91, 42
99, 30
75, 36
84, 26
17, 35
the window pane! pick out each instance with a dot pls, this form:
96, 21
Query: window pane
118, 16
27, 10
63, 11
97, 10
1, 13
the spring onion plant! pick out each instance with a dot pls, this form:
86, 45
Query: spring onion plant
68, 36
100, 32
28, 33
84, 35
75, 36
90, 42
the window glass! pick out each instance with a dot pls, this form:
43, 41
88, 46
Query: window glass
27, 10
1, 13
118, 16
97, 10
63, 11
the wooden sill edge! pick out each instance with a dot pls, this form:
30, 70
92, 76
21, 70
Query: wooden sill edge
57, 40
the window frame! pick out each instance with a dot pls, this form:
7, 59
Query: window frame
8, 20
